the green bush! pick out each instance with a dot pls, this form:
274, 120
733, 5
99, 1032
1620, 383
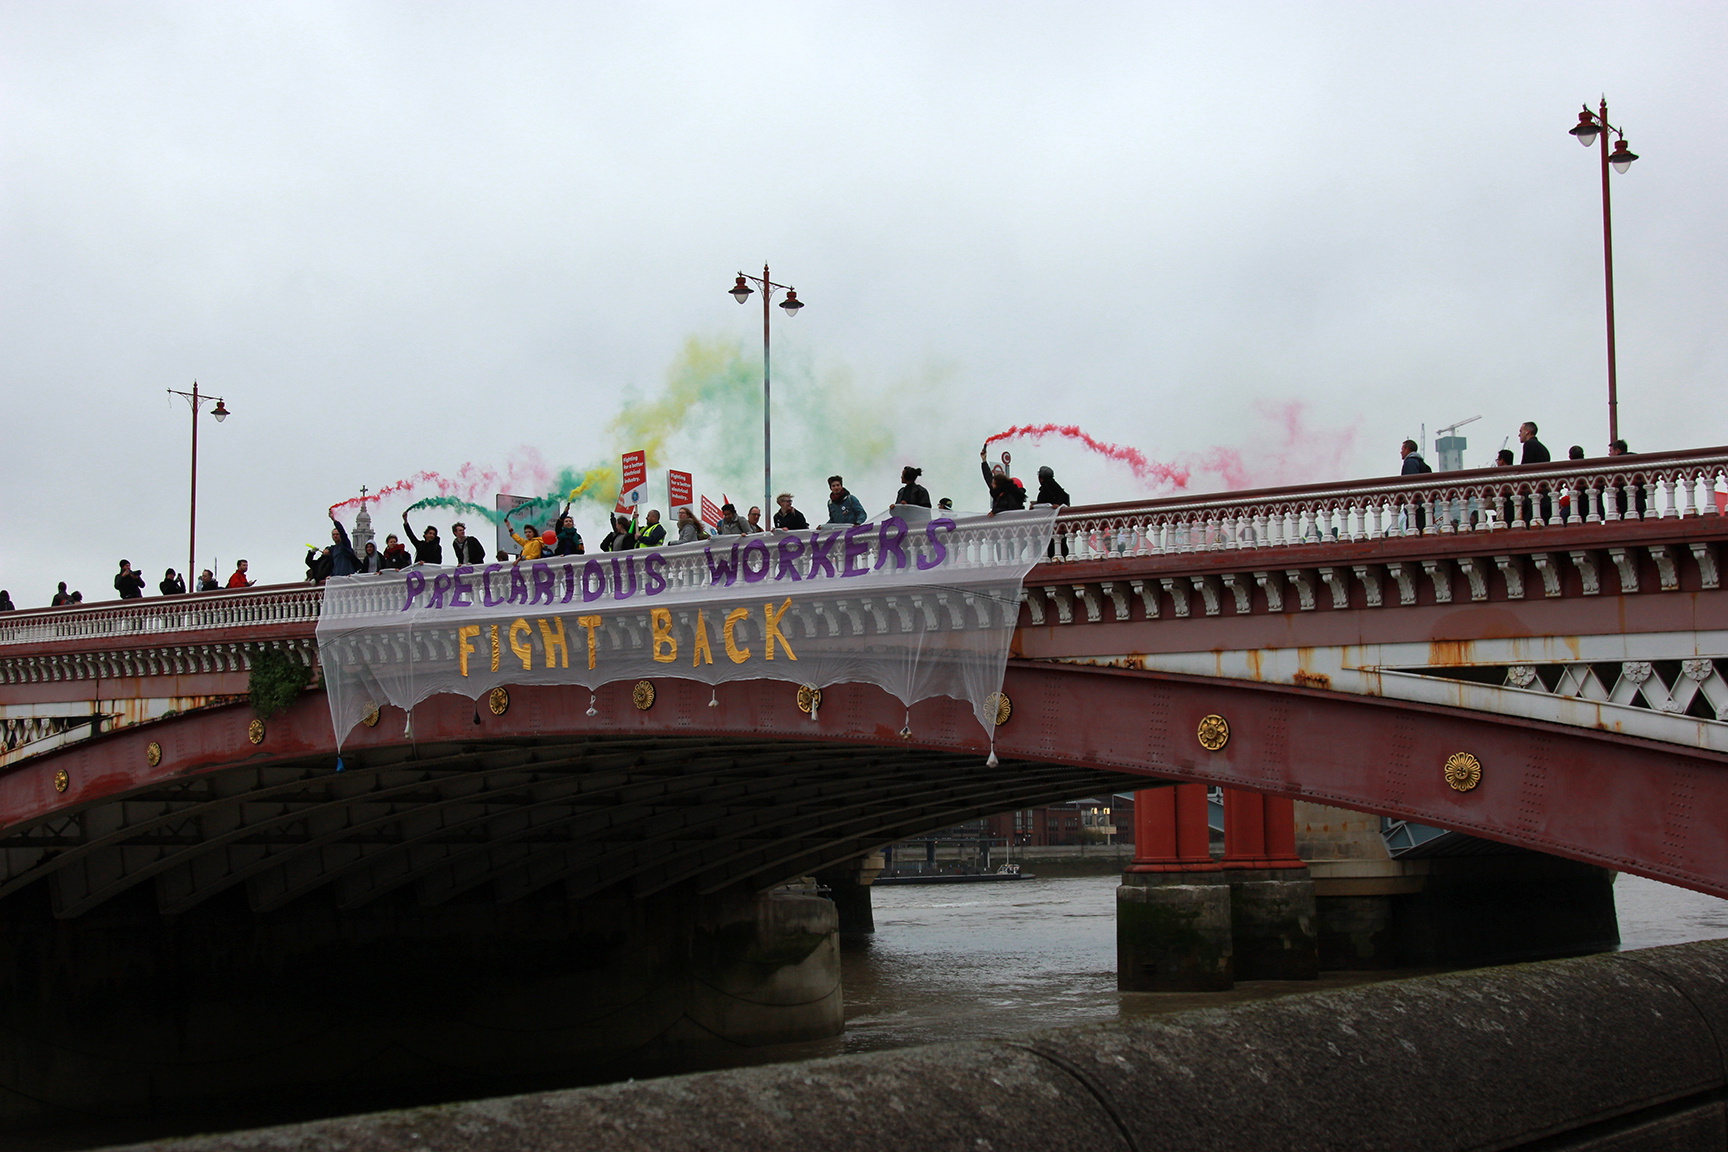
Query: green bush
277, 678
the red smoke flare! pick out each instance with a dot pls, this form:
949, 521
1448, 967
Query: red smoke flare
1151, 472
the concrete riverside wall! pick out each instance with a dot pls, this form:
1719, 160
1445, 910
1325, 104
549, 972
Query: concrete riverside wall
1605, 1052
124, 1013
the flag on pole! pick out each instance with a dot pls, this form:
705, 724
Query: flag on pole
710, 513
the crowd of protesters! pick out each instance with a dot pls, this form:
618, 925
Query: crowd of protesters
561, 537
1005, 492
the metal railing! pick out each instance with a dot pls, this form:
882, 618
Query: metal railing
141, 619
1601, 493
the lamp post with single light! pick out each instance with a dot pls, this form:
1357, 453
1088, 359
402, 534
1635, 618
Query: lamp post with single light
741, 291
1592, 126
197, 400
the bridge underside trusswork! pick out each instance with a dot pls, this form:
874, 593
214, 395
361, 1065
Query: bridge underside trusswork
508, 804
754, 792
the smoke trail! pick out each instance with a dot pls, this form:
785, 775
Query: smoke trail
1293, 453
1146, 470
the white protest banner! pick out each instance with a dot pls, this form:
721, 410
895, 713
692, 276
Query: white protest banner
919, 610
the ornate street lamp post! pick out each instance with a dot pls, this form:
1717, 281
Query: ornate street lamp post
1592, 126
741, 292
197, 400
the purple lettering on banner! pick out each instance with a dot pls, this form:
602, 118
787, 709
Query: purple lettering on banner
938, 550
569, 582
593, 581
545, 582
459, 596
722, 570
893, 543
857, 549
486, 596
759, 550
440, 585
791, 547
619, 591
413, 584
654, 566
518, 585
820, 550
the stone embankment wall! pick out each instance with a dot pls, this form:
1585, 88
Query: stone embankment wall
1619, 1052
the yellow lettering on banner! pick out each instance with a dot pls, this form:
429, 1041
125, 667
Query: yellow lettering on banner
701, 653
771, 630
523, 649
590, 623
552, 640
665, 644
495, 650
736, 654
463, 649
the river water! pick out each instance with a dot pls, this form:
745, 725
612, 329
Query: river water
973, 961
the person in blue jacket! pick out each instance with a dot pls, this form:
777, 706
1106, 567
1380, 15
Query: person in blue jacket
843, 507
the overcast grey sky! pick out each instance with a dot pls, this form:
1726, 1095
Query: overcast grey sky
401, 237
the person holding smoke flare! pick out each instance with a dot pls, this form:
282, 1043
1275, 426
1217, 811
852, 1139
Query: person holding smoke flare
1005, 495
427, 549
569, 540
339, 558
532, 546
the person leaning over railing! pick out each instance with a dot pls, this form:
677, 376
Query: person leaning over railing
1053, 494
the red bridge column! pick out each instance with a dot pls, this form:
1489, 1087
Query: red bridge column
1170, 832
1173, 907
1273, 925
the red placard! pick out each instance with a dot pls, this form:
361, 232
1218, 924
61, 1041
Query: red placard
634, 489
680, 490
710, 513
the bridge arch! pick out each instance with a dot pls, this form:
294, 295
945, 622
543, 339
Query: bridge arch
753, 791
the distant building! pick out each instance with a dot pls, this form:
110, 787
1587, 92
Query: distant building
362, 534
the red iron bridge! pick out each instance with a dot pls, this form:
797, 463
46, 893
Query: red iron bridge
1541, 663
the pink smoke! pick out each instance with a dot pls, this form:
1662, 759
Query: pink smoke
525, 472
1293, 453
1150, 472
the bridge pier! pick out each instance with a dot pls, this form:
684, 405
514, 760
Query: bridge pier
1173, 908
849, 887
1188, 923
1272, 914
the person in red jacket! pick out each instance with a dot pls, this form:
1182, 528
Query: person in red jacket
238, 578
